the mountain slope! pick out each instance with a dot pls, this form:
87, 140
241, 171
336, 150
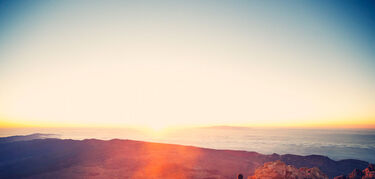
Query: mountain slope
56, 158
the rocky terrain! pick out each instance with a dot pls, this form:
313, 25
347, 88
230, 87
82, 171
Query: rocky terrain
279, 170
91, 158
367, 173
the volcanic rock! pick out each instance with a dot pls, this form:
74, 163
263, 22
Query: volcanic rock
279, 170
367, 173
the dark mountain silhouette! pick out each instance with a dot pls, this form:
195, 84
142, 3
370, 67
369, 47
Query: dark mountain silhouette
27, 137
57, 158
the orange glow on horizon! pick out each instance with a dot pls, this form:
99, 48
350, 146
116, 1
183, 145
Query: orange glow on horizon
159, 129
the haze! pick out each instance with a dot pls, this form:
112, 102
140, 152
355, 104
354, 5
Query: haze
196, 63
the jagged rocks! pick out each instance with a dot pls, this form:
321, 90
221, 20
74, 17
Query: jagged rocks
279, 170
367, 173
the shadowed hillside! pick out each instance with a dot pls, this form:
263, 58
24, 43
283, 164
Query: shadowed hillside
56, 158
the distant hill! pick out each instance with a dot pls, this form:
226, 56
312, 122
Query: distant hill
57, 158
27, 137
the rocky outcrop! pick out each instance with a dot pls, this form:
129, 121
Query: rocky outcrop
279, 170
367, 173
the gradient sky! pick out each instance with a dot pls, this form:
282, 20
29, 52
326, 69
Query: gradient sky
178, 63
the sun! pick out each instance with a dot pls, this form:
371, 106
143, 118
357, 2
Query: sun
157, 127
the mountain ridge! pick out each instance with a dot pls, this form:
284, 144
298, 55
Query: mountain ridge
121, 158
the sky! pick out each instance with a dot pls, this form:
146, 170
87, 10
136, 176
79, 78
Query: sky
187, 63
